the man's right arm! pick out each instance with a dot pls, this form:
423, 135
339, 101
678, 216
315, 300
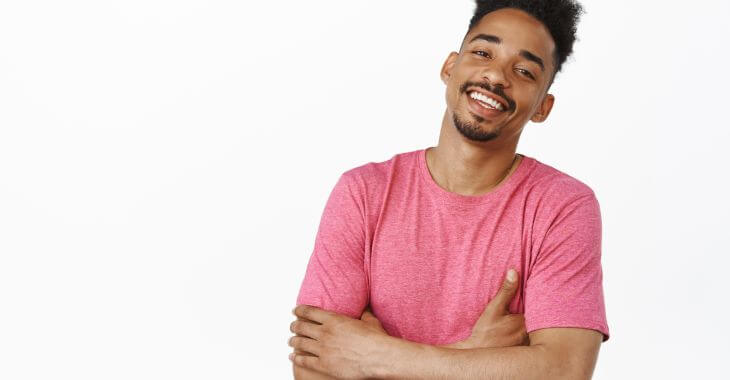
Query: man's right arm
336, 278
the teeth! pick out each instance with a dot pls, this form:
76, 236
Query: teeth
485, 99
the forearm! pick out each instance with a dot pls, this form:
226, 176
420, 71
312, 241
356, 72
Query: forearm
409, 360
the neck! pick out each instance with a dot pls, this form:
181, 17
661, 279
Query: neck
469, 167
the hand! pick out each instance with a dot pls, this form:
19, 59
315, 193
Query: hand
370, 318
496, 327
340, 346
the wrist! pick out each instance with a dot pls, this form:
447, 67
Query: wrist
382, 362
398, 357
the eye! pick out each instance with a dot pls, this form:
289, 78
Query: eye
526, 73
485, 54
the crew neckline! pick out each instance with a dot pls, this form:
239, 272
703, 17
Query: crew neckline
510, 182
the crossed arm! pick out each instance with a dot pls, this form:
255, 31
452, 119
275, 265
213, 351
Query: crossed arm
330, 346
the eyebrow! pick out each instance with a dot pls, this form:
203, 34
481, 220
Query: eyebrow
524, 53
486, 37
532, 57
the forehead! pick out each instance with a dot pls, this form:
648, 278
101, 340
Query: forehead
517, 29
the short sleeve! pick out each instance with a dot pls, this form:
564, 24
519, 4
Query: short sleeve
335, 277
564, 287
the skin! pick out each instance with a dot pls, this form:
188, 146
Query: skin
496, 327
474, 154
469, 167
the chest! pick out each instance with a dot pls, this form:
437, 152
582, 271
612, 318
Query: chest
433, 270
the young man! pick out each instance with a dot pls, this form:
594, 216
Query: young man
425, 239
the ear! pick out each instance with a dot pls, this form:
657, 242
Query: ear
543, 110
448, 66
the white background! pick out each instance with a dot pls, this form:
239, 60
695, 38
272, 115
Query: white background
164, 165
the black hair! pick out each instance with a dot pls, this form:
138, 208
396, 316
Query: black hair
560, 17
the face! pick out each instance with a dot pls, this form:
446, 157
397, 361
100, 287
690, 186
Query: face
499, 79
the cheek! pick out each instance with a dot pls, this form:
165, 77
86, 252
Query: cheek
452, 94
527, 101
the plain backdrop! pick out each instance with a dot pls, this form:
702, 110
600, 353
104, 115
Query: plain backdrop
164, 166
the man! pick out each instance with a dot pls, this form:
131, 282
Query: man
409, 251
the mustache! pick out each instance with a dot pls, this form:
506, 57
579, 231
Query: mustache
498, 90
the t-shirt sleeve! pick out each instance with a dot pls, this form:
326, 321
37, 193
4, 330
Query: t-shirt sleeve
565, 285
335, 278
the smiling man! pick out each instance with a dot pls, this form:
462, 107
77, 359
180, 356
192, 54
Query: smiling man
424, 239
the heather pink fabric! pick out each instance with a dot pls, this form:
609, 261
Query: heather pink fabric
428, 260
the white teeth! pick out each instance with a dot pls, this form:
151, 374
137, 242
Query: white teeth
485, 99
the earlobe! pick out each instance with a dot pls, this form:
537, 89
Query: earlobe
544, 109
447, 66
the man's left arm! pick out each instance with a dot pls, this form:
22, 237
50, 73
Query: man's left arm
553, 353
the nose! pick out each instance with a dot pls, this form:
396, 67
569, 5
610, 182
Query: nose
495, 76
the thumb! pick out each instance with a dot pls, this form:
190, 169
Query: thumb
369, 318
506, 292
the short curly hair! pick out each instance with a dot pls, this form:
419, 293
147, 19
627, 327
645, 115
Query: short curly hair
560, 17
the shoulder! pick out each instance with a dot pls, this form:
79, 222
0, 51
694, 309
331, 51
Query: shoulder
556, 189
375, 175
566, 212
545, 178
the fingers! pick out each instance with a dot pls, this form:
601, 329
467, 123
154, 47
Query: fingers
305, 328
367, 315
310, 362
518, 321
312, 313
500, 302
519, 318
305, 344
525, 340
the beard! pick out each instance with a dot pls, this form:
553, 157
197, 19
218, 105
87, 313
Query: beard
471, 130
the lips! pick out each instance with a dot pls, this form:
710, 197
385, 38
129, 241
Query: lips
505, 104
482, 109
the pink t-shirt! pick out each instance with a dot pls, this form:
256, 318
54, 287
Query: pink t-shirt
428, 260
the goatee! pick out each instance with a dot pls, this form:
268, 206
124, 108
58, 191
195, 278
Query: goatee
472, 131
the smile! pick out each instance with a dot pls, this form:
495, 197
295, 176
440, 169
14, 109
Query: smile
486, 101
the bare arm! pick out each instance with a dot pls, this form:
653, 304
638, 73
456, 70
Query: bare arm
339, 341
496, 327
554, 353
347, 348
